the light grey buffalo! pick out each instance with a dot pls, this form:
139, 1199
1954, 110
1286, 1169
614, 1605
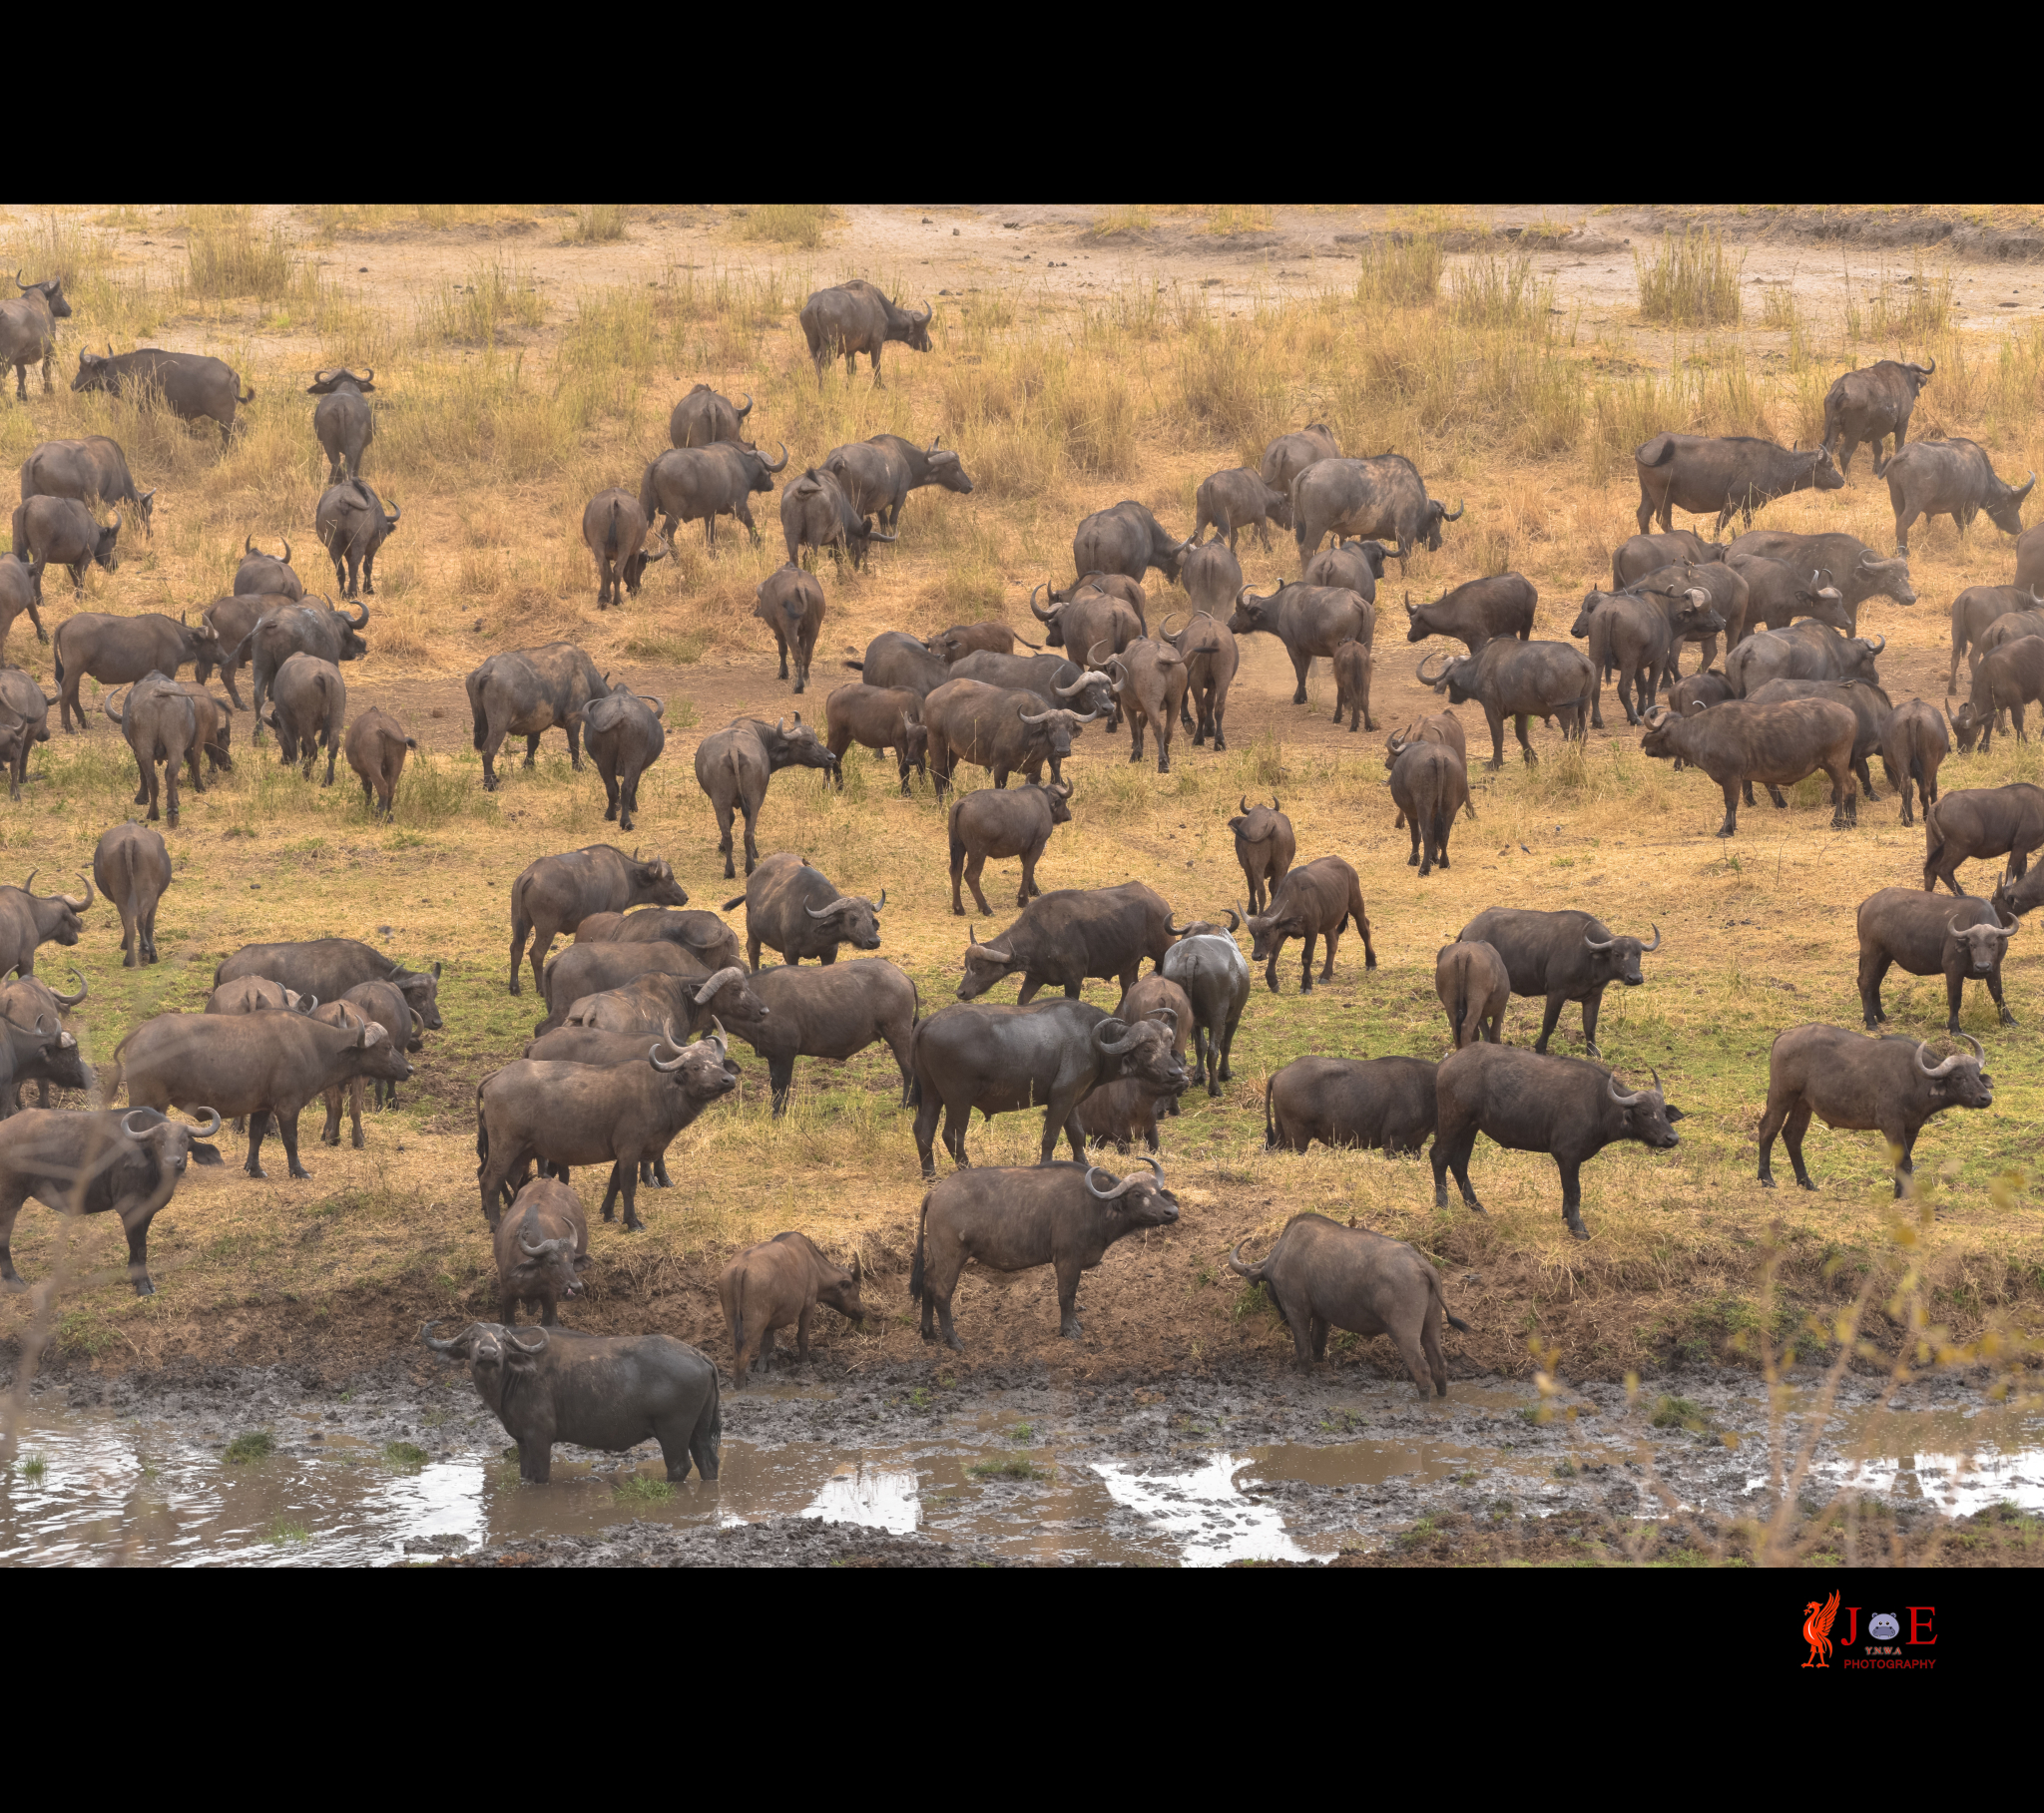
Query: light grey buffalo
1323, 1275
162, 727
703, 418
193, 386
117, 650
1238, 499
856, 317
625, 739
1209, 966
1954, 478
18, 593
316, 629
686, 483
94, 470
734, 765
616, 532
343, 422
878, 473
789, 601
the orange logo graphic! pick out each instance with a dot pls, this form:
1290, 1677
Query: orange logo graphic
1817, 1631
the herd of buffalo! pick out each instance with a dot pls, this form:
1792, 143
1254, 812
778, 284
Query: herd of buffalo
643, 1004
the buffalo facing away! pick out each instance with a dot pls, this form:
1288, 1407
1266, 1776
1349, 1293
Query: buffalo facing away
377, 745
1239, 499
734, 765
625, 737
705, 417
1860, 1085
1733, 474
193, 386
1521, 681
854, 317
620, 540
1429, 785
353, 525
789, 601
1561, 956
1062, 1216
1870, 405
815, 513
1348, 1101
1290, 454
1323, 1275
342, 421
1951, 478
1568, 1108
28, 330
133, 868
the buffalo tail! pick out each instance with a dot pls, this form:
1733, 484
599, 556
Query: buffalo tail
1270, 1126
916, 1269
1433, 1283
738, 1325
737, 900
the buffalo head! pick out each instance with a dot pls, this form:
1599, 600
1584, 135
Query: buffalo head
1618, 958
1645, 1116
1958, 1081
1983, 944
51, 289
854, 919
1140, 1202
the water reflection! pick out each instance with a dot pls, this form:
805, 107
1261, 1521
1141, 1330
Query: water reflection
875, 1497
1205, 1512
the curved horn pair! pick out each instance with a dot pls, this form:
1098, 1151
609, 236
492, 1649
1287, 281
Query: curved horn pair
438, 1346
2004, 933
72, 1000
1953, 1062
1126, 1184
543, 1248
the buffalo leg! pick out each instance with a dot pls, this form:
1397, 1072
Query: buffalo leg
535, 1462
330, 1134
1317, 1330
288, 1131
1549, 1020
1521, 725
1451, 1152
1572, 1195
1069, 1324
956, 1119
929, 1108
1776, 1113
751, 846
782, 1073
491, 745
1412, 861
1592, 1005
1866, 776
258, 1124
1430, 1352
354, 1112
138, 1253
1028, 888
575, 745
531, 750
1873, 966
1497, 735
1905, 1171
1228, 1048
1792, 1129
724, 823
1731, 824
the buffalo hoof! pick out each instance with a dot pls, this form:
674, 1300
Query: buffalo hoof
329, 1139
1579, 1230
300, 1173
254, 1170
144, 1288
357, 1140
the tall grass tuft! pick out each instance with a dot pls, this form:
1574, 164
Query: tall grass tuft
595, 225
226, 255
785, 222
1690, 282
1401, 271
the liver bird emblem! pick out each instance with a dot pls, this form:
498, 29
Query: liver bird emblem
1817, 1631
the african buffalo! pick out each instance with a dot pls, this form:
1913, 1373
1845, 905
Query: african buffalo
932, 465
992, 822
1870, 405
1070, 934
1860, 1085
28, 920
815, 513
1914, 745
1777, 595
778, 1284
1868, 705
854, 317
377, 746
880, 718
1211, 576
1263, 845
1429, 785
620, 540
1806, 650
734, 765
317, 629
330, 967
308, 707
896, 659
1352, 685
2008, 678
1323, 1275
1239, 499
993, 728
162, 727
1568, 1108
1925, 937
1977, 610
342, 421
1520, 681
1211, 657
1725, 599
1308, 619
955, 644
1477, 611
1475, 987
555, 894
1013, 1220
18, 593
714, 942
1384, 499
707, 482
1563, 957
526, 692
63, 529
193, 386
1148, 680
1738, 743
353, 525
1290, 454
1637, 636
1053, 678
133, 868
2030, 560
116, 651
1208, 966
1733, 474
541, 1243
1981, 821
703, 418
1848, 563
623, 731
1951, 478
28, 330
1348, 1101
93, 470
609, 1392
789, 601
1639, 555
95, 1162
797, 911
1313, 901
834, 1012
1129, 541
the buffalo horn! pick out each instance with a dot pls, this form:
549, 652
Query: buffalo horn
2029, 486
880, 904
1649, 950
29, 886
1244, 805
72, 1000
1078, 685
1927, 369
771, 466
1875, 646
248, 544
1042, 617
1108, 1195
1062, 788
107, 705
746, 410
1093, 654
395, 513
1950, 1063
1111, 1048
681, 1057
537, 1345
1623, 1101
360, 620
213, 1125
1411, 610
1397, 744
707, 992
1037, 718
1176, 931
659, 704
924, 317
1979, 1050
826, 911
717, 1036
1596, 944
426, 1335
1427, 678
1233, 920
133, 1133
1166, 634
1454, 515
286, 548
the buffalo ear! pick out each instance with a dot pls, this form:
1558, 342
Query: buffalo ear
1674, 1113
731, 1068
204, 1153
436, 969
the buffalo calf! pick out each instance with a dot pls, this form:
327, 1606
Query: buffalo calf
1475, 987
779, 1282
1313, 902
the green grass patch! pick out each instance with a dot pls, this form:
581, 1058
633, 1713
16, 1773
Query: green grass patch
285, 1532
408, 1454
251, 1445
1008, 1466
1680, 1412
642, 1488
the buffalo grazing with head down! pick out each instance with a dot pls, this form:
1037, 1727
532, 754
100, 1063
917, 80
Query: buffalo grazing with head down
93, 470
526, 692
193, 386
705, 417
778, 1284
1733, 474
63, 531
1951, 478
619, 539
555, 894
856, 317
1381, 499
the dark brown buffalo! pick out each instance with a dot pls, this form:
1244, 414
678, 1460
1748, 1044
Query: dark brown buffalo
1914, 745
1778, 593
132, 867
28, 920
1349, 1101
557, 893
95, 1162
63, 529
1559, 957
1015, 823
1740, 743
996, 729
1926, 937
343, 423
688, 483
1087, 618
215, 729
1313, 901
1238, 499
316, 628
734, 764
816, 513
1352, 685
583, 970
882, 718
1639, 555
162, 728
1290, 454
1727, 600
382, 1004
1862, 1085
193, 386
932, 465
1129, 541
1381, 499
621, 542
308, 705
790, 603
579, 1114
1062, 1216
257, 1065
1981, 821
961, 639
527, 692
1212, 576
703, 418
1520, 681
1870, 405
1868, 705
856, 317
1636, 636
625, 737
376, 747
2011, 626
2007, 678
1148, 680
542, 1242
1951, 478
30, 1003
1265, 846
330, 967
834, 1012
1308, 619
2030, 560
1070, 934
1125, 1110
896, 659
93, 470
609, 1392
1733, 474
266, 574
1429, 785
232, 619
24, 722
1475, 987
778, 1284
797, 911
1323, 1276
28, 330
1568, 1108
994, 1060
714, 942
1211, 657
1477, 611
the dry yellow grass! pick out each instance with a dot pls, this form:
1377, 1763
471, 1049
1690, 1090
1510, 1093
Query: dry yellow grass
507, 394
